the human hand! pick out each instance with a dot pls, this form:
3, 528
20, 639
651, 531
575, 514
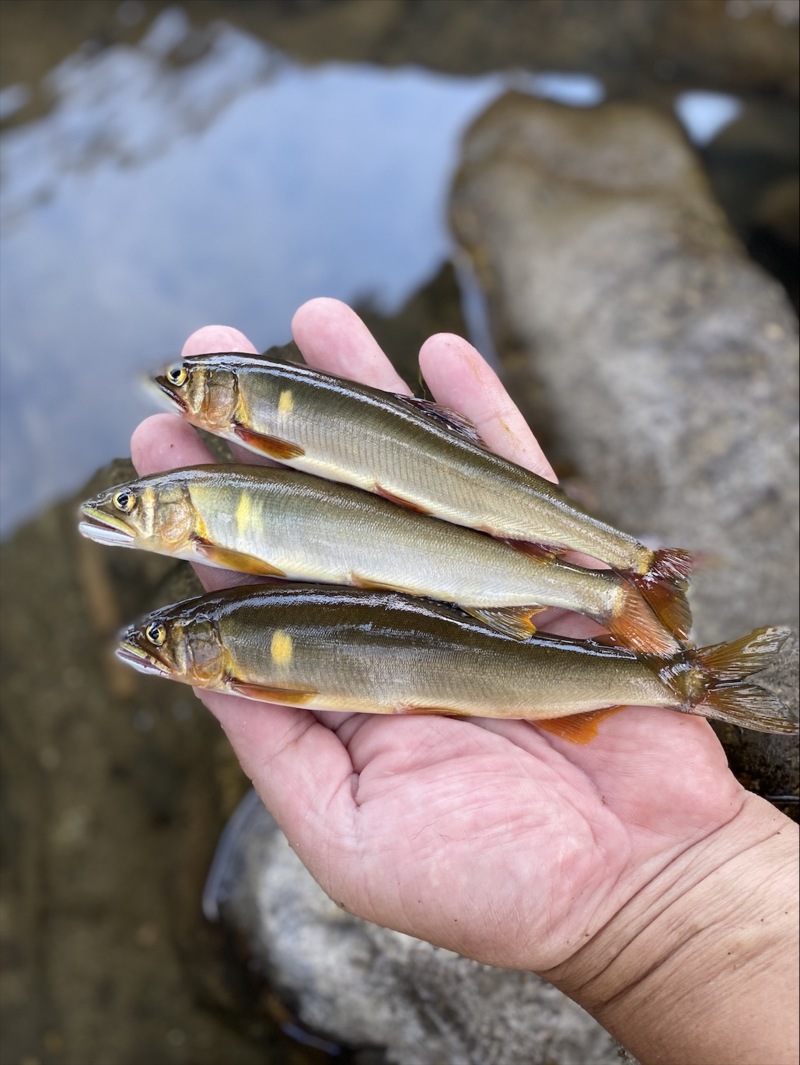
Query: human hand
491, 838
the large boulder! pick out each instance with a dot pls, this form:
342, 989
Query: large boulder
655, 361
368, 986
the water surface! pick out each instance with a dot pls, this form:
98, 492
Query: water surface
172, 186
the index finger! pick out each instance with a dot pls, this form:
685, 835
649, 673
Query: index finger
332, 337
459, 377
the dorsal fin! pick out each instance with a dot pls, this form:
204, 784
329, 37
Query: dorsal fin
452, 419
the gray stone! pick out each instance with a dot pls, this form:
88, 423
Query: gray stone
365, 985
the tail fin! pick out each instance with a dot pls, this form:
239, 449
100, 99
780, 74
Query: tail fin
636, 625
726, 698
664, 587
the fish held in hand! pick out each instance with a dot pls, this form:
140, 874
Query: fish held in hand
284, 523
387, 653
413, 453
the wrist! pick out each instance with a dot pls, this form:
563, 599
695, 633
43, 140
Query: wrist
705, 956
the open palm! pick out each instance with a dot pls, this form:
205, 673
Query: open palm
489, 837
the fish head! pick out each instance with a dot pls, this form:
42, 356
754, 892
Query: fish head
205, 390
179, 643
154, 513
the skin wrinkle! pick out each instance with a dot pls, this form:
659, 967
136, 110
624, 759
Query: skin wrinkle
699, 944
669, 904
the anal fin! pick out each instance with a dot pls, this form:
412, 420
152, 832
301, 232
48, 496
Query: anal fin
436, 711
512, 620
533, 550
271, 446
264, 694
577, 728
225, 558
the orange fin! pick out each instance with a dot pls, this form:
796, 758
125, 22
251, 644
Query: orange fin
452, 419
725, 697
398, 501
512, 620
748, 706
378, 586
743, 657
236, 560
672, 564
533, 550
636, 625
664, 587
268, 445
607, 639
577, 728
284, 696
437, 711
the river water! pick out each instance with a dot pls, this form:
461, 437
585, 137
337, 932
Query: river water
194, 175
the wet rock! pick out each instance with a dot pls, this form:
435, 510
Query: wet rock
737, 44
653, 358
753, 167
368, 986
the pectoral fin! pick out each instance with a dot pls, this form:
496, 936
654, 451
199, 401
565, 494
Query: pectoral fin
224, 558
275, 448
578, 728
283, 696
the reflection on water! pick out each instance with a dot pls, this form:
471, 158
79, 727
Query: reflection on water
203, 177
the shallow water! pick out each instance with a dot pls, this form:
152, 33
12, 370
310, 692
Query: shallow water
200, 175
155, 197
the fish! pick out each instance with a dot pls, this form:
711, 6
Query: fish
414, 453
376, 652
287, 524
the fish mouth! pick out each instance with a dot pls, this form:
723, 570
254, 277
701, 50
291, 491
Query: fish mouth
163, 385
134, 655
104, 528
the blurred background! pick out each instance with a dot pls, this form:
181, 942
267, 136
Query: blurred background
164, 166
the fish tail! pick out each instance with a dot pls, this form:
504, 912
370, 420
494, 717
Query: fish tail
636, 625
720, 671
664, 588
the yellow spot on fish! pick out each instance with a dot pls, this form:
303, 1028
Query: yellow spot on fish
281, 648
286, 402
244, 509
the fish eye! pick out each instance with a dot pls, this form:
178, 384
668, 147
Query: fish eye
124, 501
177, 375
156, 634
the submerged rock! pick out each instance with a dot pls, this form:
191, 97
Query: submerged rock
115, 788
656, 362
